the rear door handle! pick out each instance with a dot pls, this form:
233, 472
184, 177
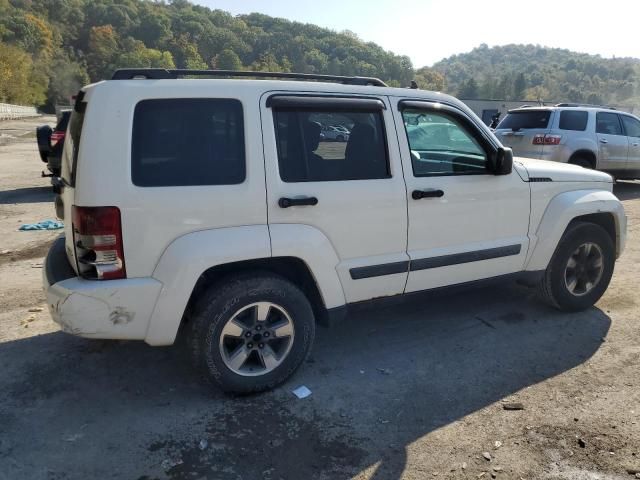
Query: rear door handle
602, 140
285, 202
418, 194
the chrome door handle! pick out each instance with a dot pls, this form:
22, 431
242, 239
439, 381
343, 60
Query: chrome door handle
635, 144
602, 140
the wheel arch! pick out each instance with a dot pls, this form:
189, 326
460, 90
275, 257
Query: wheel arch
600, 207
587, 154
292, 269
300, 253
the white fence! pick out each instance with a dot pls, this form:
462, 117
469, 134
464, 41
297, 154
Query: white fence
11, 112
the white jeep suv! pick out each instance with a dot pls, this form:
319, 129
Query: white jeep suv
212, 208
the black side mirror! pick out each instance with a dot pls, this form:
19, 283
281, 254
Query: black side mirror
503, 161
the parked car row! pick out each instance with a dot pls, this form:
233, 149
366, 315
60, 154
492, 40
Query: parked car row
337, 133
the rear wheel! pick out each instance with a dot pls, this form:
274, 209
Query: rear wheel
580, 269
251, 332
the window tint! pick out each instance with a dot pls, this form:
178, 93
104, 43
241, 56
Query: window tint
631, 125
441, 145
318, 146
179, 142
573, 120
72, 143
608, 123
526, 119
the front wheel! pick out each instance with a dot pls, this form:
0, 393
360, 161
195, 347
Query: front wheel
251, 332
581, 268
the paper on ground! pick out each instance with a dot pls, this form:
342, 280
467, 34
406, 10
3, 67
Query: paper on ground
302, 392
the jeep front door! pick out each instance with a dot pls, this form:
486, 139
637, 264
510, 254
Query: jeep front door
465, 223
613, 145
346, 197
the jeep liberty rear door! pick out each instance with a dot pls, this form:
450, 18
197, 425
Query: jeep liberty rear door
347, 196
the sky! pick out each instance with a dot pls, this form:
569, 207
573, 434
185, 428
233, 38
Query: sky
428, 31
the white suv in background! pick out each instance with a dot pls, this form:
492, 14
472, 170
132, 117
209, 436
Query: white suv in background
213, 209
593, 137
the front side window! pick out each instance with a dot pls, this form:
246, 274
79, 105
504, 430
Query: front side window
188, 141
441, 145
608, 124
324, 145
631, 125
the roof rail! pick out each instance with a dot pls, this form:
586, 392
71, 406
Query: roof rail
163, 74
585, 105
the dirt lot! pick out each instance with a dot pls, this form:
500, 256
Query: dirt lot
415, 391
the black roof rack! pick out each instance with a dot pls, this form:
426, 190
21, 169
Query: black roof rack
163, 74
584, 105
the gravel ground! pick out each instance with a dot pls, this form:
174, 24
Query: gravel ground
413, 391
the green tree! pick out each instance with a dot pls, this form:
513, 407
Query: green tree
136, 55
519, 86
18, 83
227, 60
103, 52
469, 90
429, 79
67, 77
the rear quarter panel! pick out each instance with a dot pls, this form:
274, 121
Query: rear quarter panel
152, 217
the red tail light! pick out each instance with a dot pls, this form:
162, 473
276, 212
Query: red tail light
57, 136
97, 236
546, 139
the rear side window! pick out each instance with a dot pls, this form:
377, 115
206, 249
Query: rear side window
325, 145
189, 141
608, 124
72, 144
573, 120
525, 119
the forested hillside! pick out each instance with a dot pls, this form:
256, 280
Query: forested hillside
530, 72
48, 48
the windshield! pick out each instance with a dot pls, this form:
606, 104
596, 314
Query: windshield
525, 119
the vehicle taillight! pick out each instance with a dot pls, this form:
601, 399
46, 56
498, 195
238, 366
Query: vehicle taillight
57, 136
546, 139
97, 236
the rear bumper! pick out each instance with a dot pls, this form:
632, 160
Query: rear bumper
114, 309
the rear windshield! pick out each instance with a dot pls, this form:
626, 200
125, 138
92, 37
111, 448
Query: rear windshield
573, 120
188, 141
525, 119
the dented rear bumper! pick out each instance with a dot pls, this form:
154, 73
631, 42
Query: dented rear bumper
116, 309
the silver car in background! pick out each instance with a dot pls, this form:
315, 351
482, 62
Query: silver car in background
601, 138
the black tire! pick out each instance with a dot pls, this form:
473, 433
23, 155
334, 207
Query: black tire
554, 287
582, 162
340, 138
217, 307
